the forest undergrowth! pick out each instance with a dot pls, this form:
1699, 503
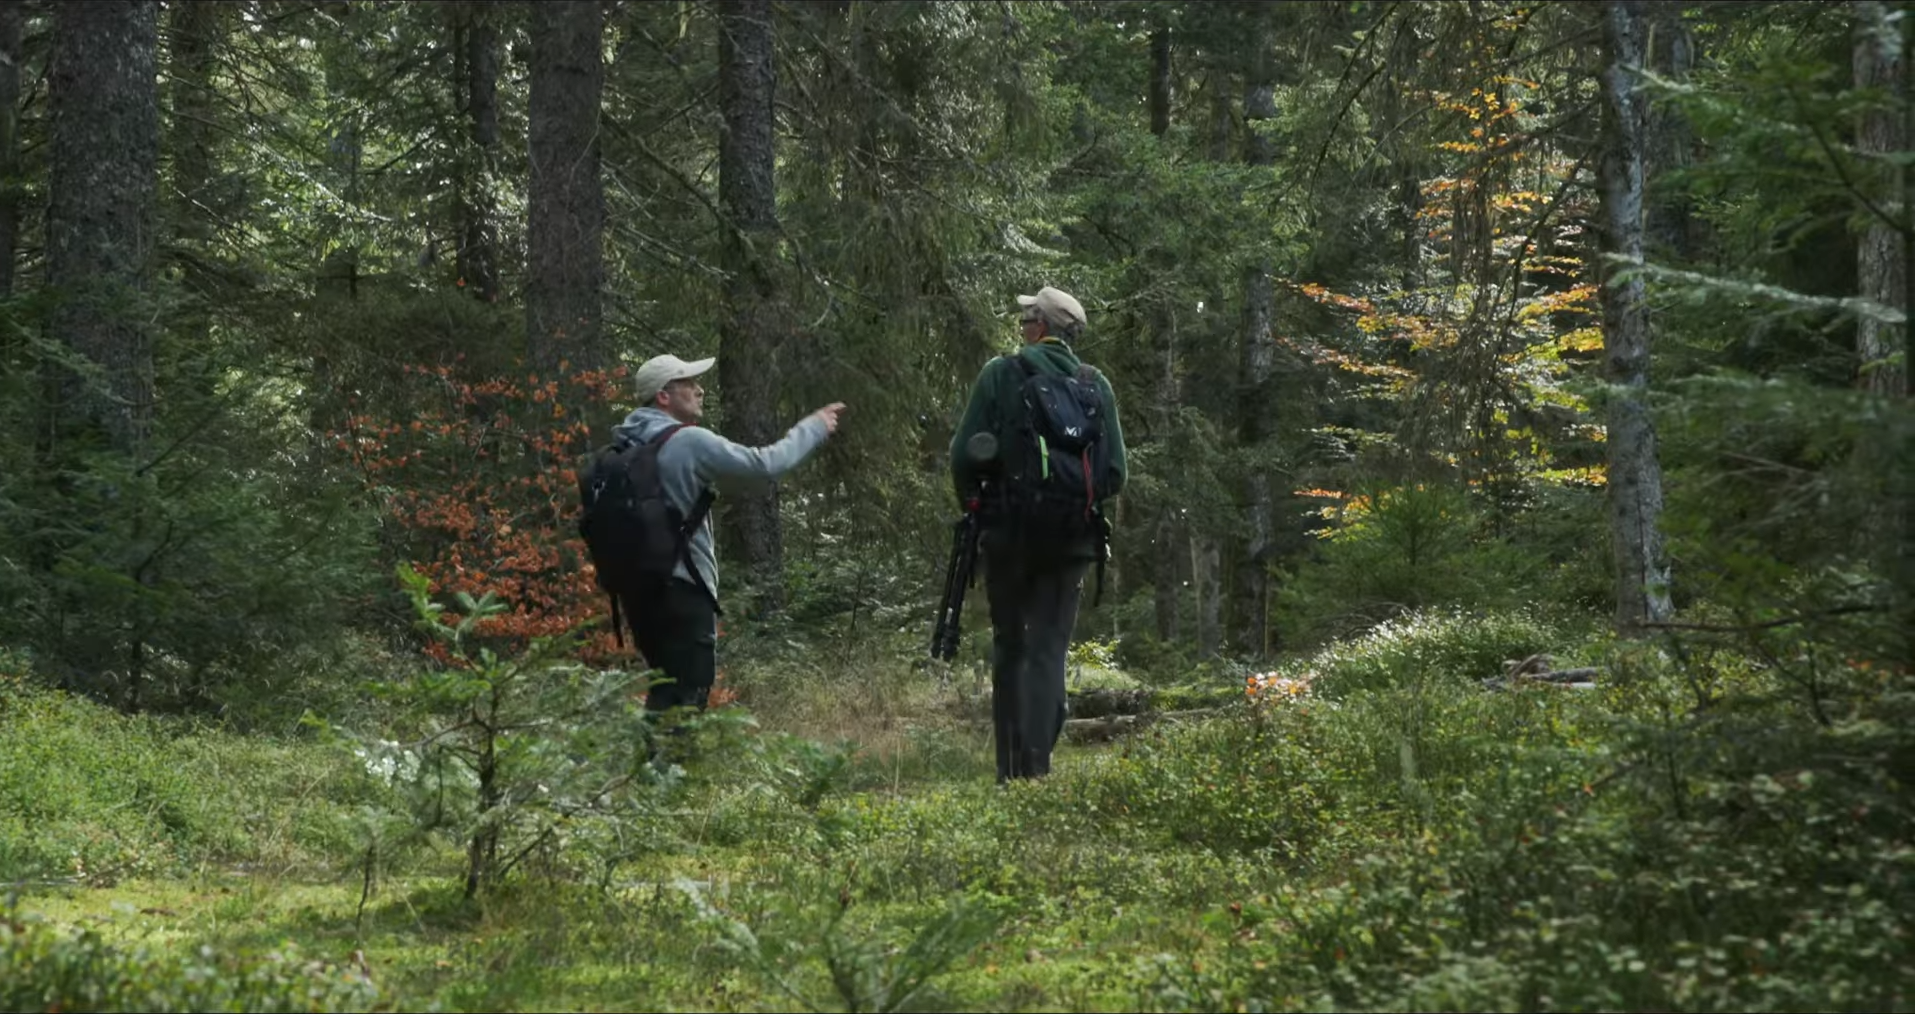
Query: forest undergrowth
1367, 827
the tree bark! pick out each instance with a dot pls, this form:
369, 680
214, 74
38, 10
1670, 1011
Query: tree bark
1219, 140
1885, 251
478, 260
102, 203
1669, 217
1167, 540
103, 106
194, 31
1406, 154
565, 269
1257, 354
1160, 81
1166, 597
1206, 574
12, 18
1635, 474
752, 322
1879, 262
1169, 535
1206, 555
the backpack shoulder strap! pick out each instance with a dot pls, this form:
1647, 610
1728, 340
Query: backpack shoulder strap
670, 431
699, 509
1023, 363
692, 521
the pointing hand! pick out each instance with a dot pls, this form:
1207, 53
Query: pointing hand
829, 414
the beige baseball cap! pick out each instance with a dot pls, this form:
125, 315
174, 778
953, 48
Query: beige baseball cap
661, 370
1059, 308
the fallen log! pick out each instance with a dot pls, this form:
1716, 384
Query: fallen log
1105, 702
1587, 675
1109, 727
1565, 679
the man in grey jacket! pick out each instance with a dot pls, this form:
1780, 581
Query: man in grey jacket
677, 631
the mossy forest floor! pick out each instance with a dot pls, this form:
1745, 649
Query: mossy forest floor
1398, 837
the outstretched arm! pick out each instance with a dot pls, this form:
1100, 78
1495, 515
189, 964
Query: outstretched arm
732, 465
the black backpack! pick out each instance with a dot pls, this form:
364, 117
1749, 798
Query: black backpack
635, 535
1058, 462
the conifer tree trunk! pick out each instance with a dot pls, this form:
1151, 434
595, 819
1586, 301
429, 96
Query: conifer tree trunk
103, 105
1407, 212
102, 202
1257, 354
1167, 540
194, 30
1885, 251
1206, 555
1878, 65
1635, 474
12, 19
1206, 566
478, 263
1160, 80
1668, 219
751, 322
565, 256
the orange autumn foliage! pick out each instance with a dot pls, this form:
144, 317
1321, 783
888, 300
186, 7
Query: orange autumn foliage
480, 490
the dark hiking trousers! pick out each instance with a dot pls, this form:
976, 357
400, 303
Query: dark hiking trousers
1033, 608
676, 629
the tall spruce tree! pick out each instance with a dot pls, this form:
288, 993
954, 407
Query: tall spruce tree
565, 255
752, 319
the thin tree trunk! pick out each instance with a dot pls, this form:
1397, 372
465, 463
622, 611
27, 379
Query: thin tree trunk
1635, 474
1160, 81
1206, 556
1166, 597
1167, 540
1879, 261
1219, 116
1902, 489
1669, 217
194, 31
12, 17
478, 262
1887, 251
1257, 354
1169, 536
752, 323
565, 255
1406, 155
1206, 574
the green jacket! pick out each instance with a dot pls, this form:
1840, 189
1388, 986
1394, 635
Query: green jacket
994, 409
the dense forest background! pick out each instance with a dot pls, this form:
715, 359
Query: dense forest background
1507, 328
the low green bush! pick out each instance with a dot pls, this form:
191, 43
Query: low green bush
43, 968
1620, 850
1436, 648
91, 794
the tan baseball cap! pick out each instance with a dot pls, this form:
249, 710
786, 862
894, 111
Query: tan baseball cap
661, 370
1059, 308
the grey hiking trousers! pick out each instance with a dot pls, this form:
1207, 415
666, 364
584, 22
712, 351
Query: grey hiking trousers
1033, 608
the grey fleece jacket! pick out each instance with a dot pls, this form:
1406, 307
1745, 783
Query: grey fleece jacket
695, 458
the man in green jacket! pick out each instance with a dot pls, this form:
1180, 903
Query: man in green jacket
1034, 579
